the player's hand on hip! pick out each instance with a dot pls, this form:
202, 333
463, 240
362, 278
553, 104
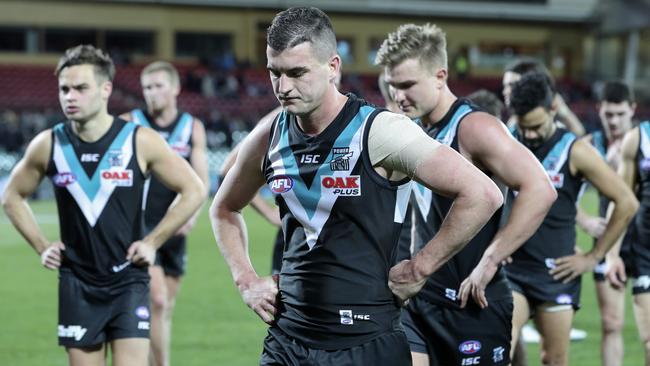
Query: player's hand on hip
570, 267
475, 284
51, 257
616, 272
260, 294
404, 280
141, 253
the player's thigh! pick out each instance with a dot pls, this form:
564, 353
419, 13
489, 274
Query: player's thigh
642, 315
158, 287
520, 315
554, 324
173, 284
87, 356
130, 351
611, 302
420, 359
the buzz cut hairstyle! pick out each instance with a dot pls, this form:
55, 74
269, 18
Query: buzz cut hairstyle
617, 91
487, 101
165, 66
427, 43
87, 55
526, 64
303, 24
531, 91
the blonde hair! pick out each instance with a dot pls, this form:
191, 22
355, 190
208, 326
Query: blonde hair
426, 42
162, 66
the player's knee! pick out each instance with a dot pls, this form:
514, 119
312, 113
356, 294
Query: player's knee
158, 302
612, 324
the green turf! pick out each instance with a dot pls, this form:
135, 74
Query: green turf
212, 326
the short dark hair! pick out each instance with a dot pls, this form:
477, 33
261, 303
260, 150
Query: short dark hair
531, 91
617, 91
88, 55
487, 101
302, 24
525, 64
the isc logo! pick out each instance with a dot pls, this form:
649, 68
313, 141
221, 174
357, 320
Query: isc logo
281, 184
121, 178
89, 158
343, 186
471, 361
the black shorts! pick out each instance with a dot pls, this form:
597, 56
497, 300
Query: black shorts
91, 315
172, 256
278, 252
469, 336
543, 289
389, 349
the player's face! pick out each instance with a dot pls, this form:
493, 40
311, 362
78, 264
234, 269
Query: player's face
415, 87
158, 89
82, 94
616, 118
509, 79
535, 127
300, 79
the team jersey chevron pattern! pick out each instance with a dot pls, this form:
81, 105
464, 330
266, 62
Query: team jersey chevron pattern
92, 193
423, 195
557, 157
312, 204
179, 138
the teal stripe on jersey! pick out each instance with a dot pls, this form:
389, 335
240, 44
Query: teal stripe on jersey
178, 130
557, 156
139, 118
444, 134
599, 143
309, 197
90, 186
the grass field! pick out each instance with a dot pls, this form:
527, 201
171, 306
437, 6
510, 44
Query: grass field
212, 326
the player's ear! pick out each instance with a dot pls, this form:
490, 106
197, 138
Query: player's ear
106, 89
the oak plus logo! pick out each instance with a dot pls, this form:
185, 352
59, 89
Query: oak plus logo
119, 178
342, 186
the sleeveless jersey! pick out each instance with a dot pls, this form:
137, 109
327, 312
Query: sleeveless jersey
431, 209
341, 222
179, 137
556, 236
643, 167
600, 142
98, 188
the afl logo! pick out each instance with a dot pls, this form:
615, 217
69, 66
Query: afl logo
64, 179
469, 347
281, 184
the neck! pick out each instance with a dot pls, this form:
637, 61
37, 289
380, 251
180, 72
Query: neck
165, 116
447, 99
314, 122
93, 129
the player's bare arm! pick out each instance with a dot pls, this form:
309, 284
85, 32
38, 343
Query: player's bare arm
176, 174
446, 172
567, 117
585, 161
269, 212
627, 171
238, 188
485, 141
23, 182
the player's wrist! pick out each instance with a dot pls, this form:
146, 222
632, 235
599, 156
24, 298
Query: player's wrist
244, 279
